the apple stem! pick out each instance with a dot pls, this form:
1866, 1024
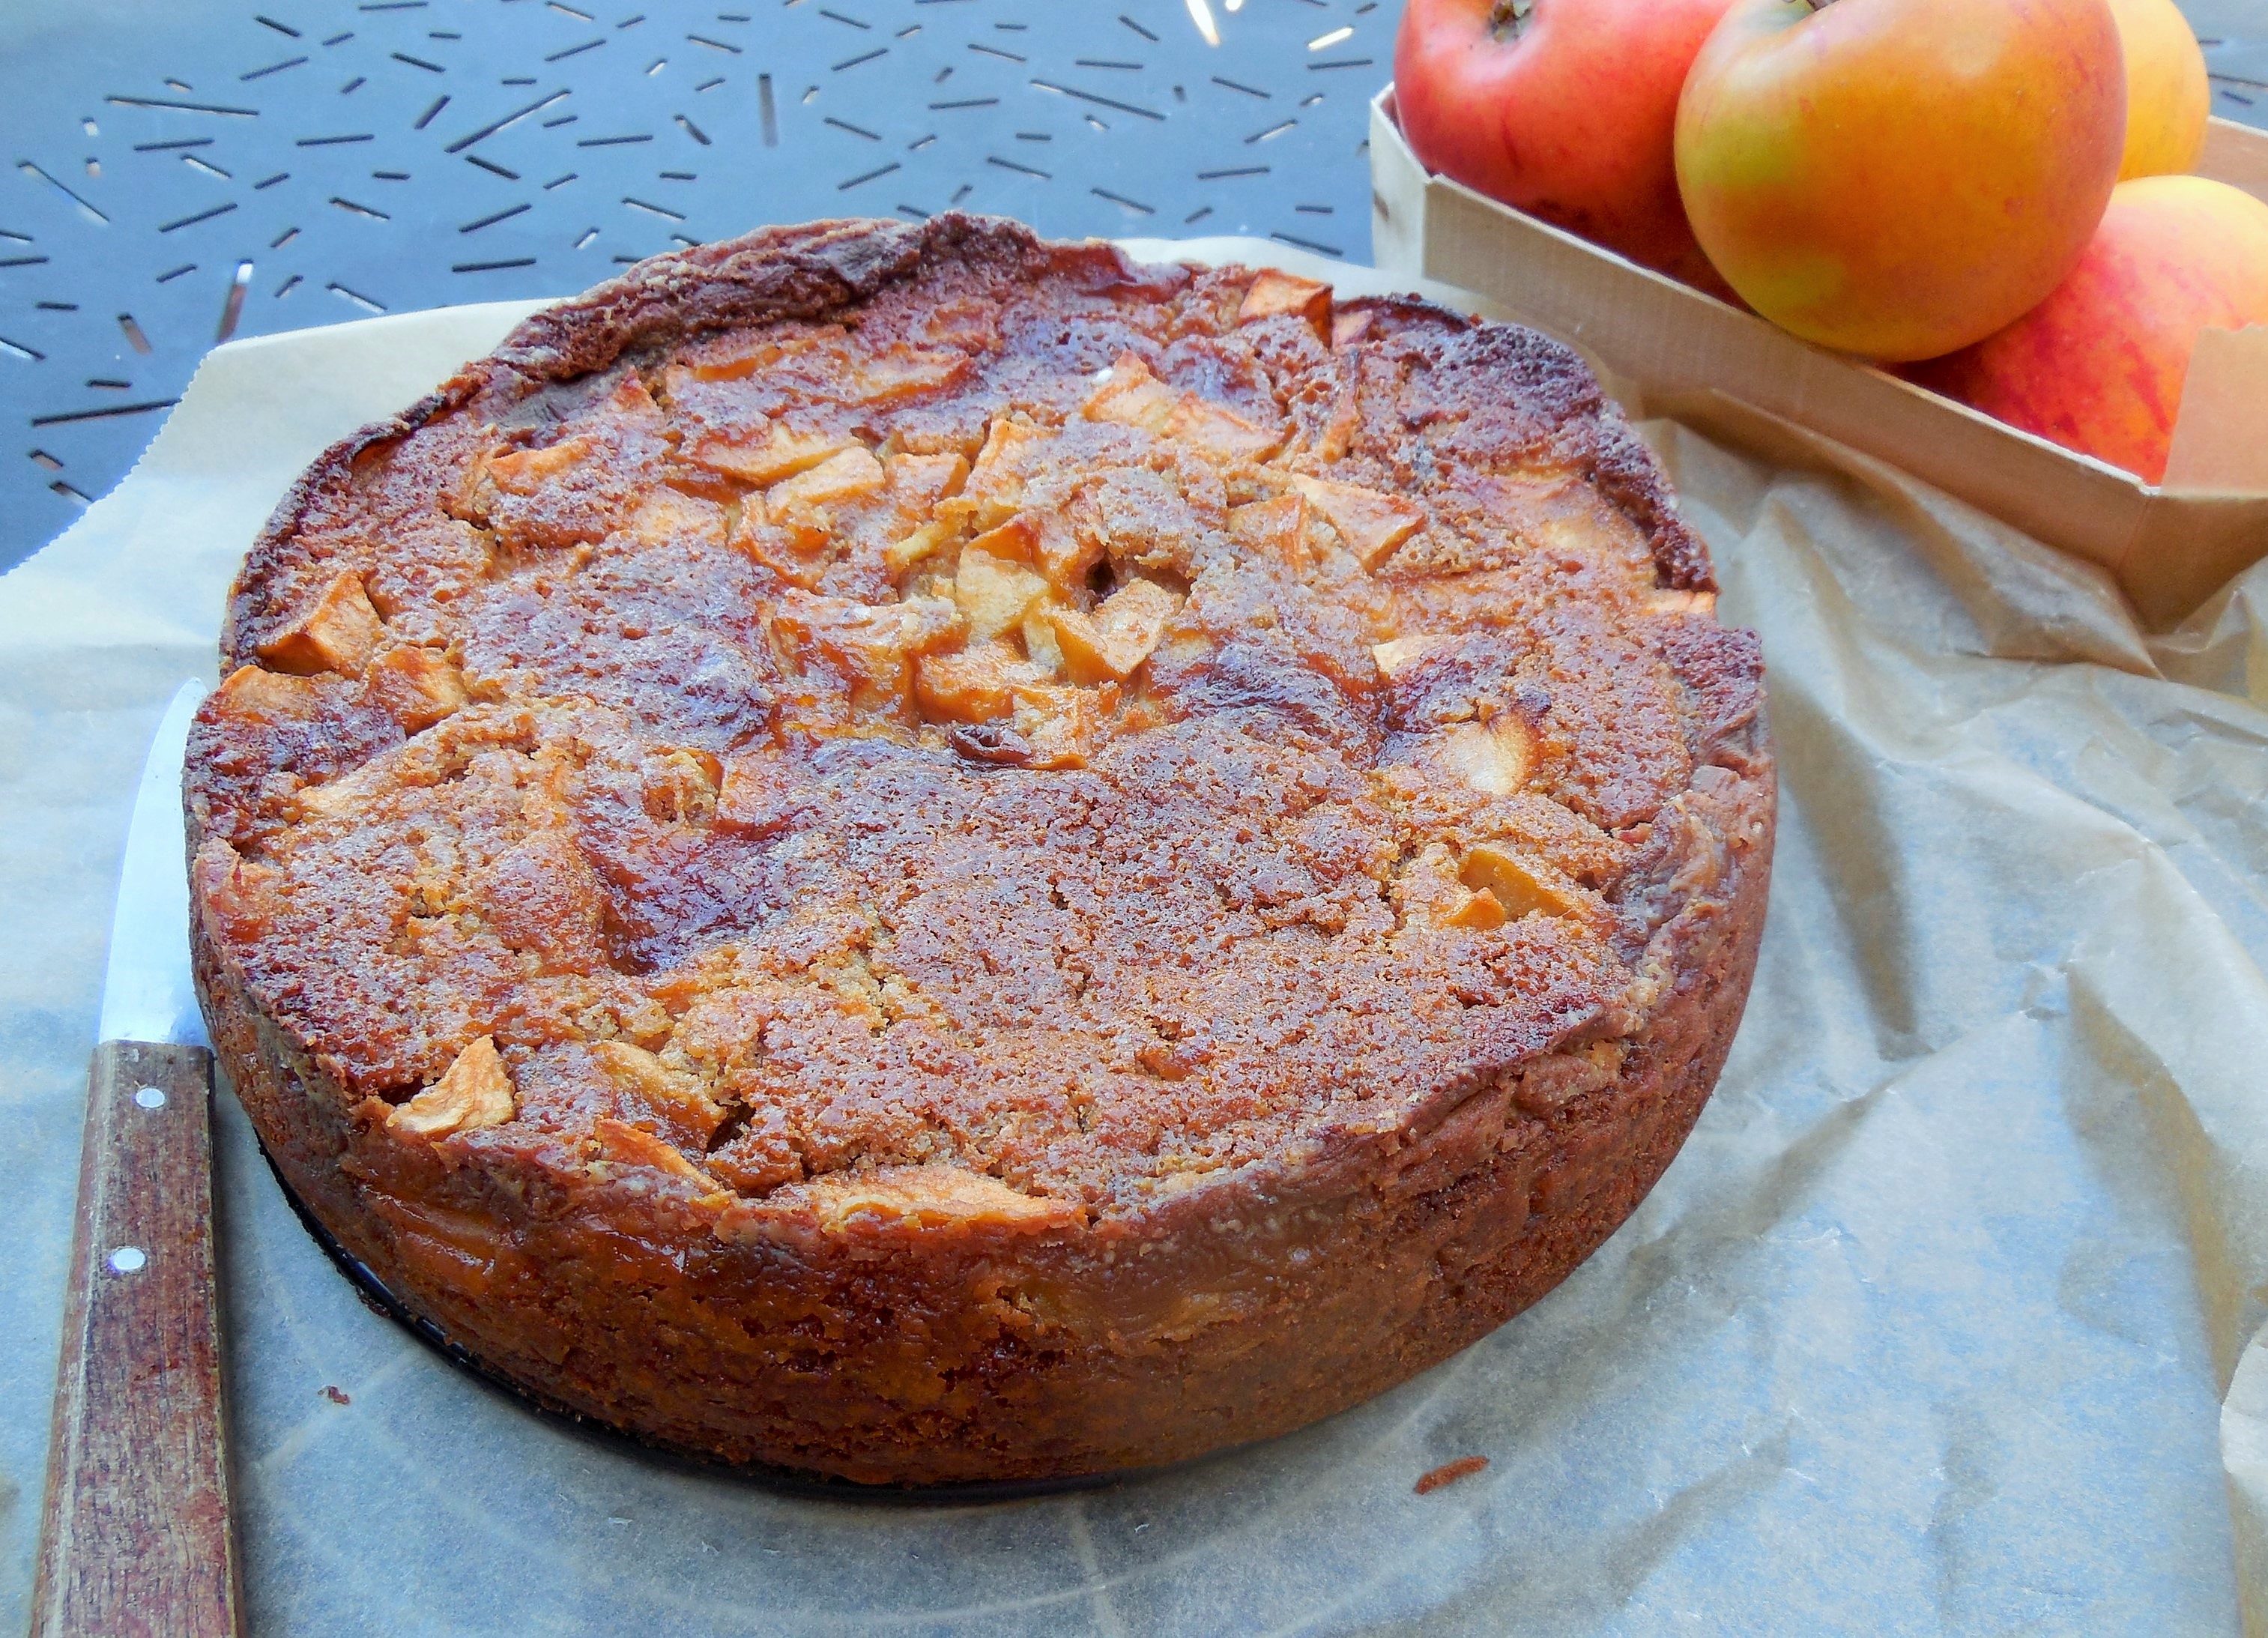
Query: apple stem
1508, 20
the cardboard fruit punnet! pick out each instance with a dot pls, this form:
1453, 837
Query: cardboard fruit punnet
1683, 354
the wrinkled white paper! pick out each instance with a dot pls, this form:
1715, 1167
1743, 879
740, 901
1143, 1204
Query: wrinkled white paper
1945, 1321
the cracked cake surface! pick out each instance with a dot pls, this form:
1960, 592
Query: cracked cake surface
911, 851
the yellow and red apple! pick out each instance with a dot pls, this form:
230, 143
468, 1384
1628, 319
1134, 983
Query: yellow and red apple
2167, 97
1563, 109
2100, 365
1900, 178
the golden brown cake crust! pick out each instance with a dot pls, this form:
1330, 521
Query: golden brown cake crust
917, 853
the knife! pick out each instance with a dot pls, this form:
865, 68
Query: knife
135, 1537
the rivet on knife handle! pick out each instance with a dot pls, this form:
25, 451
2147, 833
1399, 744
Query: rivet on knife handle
135, 1535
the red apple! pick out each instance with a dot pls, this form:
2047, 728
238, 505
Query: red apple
1563, 109
2099, 365
1899, 178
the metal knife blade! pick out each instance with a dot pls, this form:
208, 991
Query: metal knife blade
148, 995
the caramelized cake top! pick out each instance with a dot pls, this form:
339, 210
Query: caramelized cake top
865, 695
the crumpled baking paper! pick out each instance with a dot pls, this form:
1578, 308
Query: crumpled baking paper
1946, 1320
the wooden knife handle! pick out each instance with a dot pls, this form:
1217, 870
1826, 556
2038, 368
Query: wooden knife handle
136, 1538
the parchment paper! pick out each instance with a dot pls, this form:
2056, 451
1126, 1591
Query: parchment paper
1946, 1320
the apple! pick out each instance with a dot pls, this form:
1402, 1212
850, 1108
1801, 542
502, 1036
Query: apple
2099, 365
2167, 97
1899, 178
1563, 109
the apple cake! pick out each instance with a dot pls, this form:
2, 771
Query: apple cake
914, 853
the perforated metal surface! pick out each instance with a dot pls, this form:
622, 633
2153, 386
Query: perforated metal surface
176, 178
182, 171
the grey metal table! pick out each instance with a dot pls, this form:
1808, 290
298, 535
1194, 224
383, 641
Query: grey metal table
182, 171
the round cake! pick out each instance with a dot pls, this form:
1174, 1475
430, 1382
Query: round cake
908, 853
